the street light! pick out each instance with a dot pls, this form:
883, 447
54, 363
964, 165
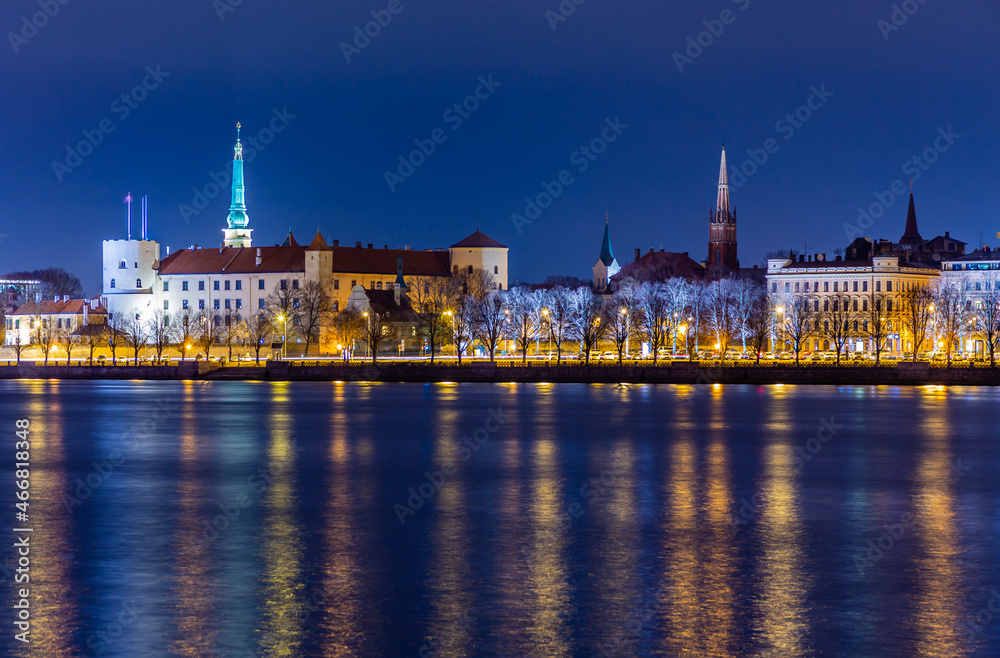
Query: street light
281, 319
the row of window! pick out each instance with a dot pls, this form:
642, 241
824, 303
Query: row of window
217, 304
854, 286
114, 284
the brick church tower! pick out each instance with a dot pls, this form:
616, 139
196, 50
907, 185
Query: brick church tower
722, 259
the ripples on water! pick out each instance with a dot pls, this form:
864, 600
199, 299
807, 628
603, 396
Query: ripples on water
246, 519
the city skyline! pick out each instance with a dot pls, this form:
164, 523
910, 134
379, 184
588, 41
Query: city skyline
328, 164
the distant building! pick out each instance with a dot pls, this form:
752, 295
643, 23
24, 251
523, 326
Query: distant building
61, 314
911, 247
722, 253
658, 266
606, 266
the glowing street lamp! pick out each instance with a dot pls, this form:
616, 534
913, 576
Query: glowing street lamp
281, 319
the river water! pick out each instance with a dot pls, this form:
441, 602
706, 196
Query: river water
314, 519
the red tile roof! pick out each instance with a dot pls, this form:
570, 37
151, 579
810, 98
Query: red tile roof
50, 307
660, 266
479, 239
240, 260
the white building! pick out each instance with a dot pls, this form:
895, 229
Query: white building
62, 315
606, 266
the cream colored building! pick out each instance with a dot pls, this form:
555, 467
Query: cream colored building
818, 280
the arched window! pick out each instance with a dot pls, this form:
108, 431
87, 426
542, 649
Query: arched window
470, 269
496, 269
336, 306
122, 265
112, 283
455, 269
138, 283
716, 254
217, 320
378, 286
499, 286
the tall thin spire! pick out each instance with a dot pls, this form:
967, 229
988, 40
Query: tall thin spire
911, 235
722, 203
607, 256
237, 233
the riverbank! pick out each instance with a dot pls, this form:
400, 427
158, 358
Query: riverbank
480, 371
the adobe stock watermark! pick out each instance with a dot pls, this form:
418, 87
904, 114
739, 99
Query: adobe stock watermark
787, 126
913, 168
122, 107
454, 116
714, 28
596, 488
363, 35
223, 7
562, 12
433, 481
975, 624
30, 25
103, 639
899, 17
219, 180
580, 159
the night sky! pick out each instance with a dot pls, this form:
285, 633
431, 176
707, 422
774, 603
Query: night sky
892, 90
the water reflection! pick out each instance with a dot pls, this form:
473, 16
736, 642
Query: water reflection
194, 615
54, 613
282, 596
938, 614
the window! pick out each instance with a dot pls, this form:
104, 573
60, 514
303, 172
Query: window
122, 265
217, 320
774, 287
855, 304
201, 285
201, 305
215, 285
239, 285
336, 306
184, 304
816, 305
215, 304
855, 325
855, 286
284, 284
878, 286
137, 267
888, 305
138, 283
826, 286
227, 284
888, 286
260, 304
354, 282
788, 286
864, 307
112, 283
470, 266
228, 304
796, 286
166, 286
295, 284
455, 269
836, 305
864, 286
951, 246
499, 286
826, 304
866, 325
59, 323
836, 285
239, 304
166, 305
979, 285
260, 285
295, 303
826, 325
184, 286
336, 284
805, 287
496, 269
378, 286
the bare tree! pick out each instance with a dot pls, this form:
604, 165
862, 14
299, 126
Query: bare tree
916, 313
258, 330
159, 332
43, 335
837, 318
463, 318
589, 313
951, 308
621, 318
349, 326
186, 331
116, 333
490, 323
676, 291
314, 311
208, 333
722, 314
759, 325
135, 335
231, 331
653, 304
524, 323
283, 307
798, 318
560, 318
377, 331
431, 297
877, 323
697, 305
3, 316
94, 335
477, 283
70, 340
986, 311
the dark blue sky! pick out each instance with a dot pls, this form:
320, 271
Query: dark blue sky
557, 87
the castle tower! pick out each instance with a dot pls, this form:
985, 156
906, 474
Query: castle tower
722, 257
237, 234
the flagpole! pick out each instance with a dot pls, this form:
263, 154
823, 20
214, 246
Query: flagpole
128, 202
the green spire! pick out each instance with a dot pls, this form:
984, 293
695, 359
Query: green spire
238, 209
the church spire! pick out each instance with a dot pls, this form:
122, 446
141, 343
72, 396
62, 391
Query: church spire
236, 233
722, 203
607, 256
911, 235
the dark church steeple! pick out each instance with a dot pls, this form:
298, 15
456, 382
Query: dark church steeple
722, 229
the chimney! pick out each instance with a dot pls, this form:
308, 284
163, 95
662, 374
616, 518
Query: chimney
369, 245
385, 246
358, 244
93, 304
947, 234
85, 314
65, 298
257, 261
395, 292
336, 243
406, 248
637, 253
838, 258
802, 259
168, 250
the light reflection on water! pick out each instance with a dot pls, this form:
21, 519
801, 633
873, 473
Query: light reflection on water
657, 561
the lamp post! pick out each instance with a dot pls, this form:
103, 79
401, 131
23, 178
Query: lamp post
368, 345
282, 320
548, 344
624, 312
452, 317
